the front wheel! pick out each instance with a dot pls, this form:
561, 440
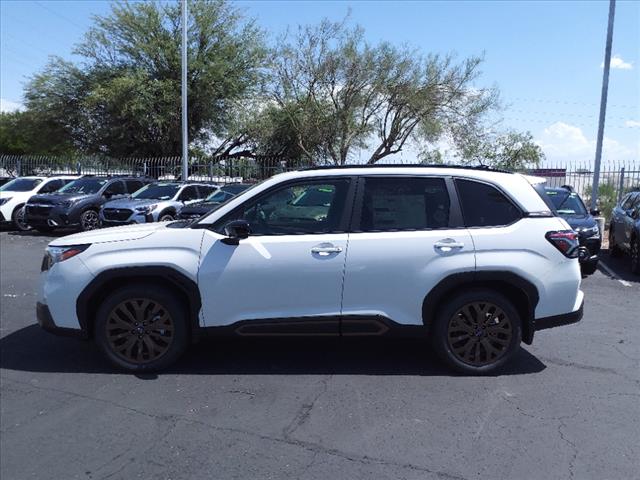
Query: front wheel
589, 268
477, 332
89, 220
142, 328
635, 256
166, 217
19, 220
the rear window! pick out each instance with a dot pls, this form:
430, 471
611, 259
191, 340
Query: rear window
484, 205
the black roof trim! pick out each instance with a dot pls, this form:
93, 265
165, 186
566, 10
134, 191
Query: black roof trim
407, 165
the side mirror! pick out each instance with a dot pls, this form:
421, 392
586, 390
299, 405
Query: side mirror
235, 231
595, 212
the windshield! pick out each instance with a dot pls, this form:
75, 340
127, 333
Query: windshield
158, 191
21, 185
84, 186
567, 203
241, 194
219, 196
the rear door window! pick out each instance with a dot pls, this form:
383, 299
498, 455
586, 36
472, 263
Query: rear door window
484, 205
402, 203
116, 188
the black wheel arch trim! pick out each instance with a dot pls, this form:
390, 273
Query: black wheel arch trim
88, 300
526, 292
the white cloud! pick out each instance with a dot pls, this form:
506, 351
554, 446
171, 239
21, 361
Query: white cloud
632, 123
9, 106
618, 63
562, 142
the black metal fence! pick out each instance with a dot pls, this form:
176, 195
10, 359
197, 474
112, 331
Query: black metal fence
616, 178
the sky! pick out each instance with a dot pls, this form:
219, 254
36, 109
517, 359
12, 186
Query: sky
545, 57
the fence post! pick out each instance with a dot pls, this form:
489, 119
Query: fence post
621, 186
79, 167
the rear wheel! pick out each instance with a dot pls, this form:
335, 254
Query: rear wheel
89, 220
142, 328
19, 220
614, 250
477, 331
635, 256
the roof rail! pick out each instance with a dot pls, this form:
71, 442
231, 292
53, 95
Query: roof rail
408, 165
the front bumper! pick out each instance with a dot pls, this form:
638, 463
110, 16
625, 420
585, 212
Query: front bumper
560, 320
45, 320
55, 216
592, 246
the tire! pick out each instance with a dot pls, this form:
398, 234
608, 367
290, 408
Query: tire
17, 217
614, 250
166, 217
89, 220
458, 318
136, 351
589, 268
635, 256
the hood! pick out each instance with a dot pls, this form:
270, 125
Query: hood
113, 234
580, 221
131, 202
56, 198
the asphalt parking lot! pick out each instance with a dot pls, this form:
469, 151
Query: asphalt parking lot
568, 407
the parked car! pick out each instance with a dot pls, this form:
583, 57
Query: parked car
570, 206
77, 204
461, 257
217, 198
4, 180
14, 195
161, 201
624, 229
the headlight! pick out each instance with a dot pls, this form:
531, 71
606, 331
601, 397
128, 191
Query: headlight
67, 203
589, 231
4, 200
146, 209
55, 255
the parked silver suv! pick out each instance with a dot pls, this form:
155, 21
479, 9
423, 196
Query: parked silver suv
155, 202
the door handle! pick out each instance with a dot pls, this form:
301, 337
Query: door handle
448, 245
325, 249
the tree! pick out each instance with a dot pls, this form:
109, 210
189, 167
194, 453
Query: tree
26, 133
123, 98
509, 151
353, 95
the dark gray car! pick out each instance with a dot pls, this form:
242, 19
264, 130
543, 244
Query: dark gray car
77, 204
624, 229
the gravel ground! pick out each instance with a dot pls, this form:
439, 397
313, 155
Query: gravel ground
567, 407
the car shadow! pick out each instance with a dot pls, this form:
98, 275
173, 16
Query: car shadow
34, 233
31, 349
620, 266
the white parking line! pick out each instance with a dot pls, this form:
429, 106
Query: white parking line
612, 274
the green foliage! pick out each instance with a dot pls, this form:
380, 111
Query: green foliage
124, 97
27, 133
508, 151
607, 198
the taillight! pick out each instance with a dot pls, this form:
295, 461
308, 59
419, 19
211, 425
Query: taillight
566, 241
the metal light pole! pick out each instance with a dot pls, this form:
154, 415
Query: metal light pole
185, 134
603, 105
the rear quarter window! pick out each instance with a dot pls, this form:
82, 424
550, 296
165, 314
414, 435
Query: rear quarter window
484, 205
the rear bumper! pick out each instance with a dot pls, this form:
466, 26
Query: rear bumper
560, 320
45, 320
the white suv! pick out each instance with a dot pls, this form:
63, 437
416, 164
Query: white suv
14, 195
472, 259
